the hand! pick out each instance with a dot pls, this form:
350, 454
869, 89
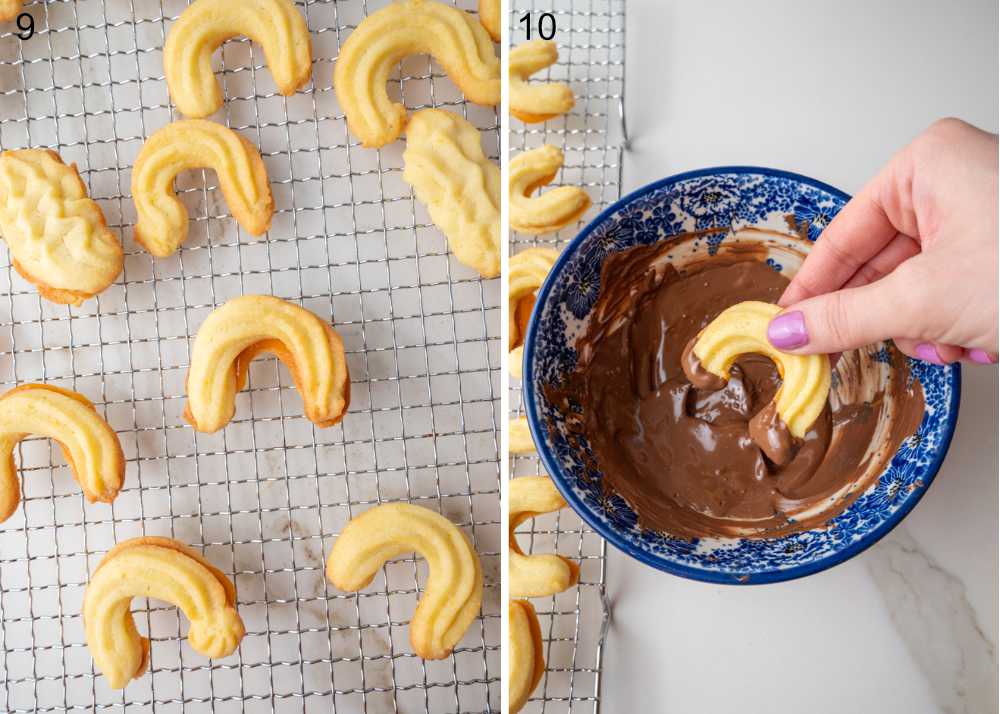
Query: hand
912, 257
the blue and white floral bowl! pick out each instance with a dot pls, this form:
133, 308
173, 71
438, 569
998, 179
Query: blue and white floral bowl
748, 202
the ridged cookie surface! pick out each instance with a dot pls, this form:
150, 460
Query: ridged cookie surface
161, 569
187, 55
455, 39
742, 329
489, 17
445, 164
526, 273
537, 101
233, 334
56, 234
90, 446
454, 590
189, 144
551, 210
537, 574
524, 653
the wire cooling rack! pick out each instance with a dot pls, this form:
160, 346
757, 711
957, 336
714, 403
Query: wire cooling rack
264, 498
591, 39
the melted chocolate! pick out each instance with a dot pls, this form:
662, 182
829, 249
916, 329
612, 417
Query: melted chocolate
711, 458
766, 428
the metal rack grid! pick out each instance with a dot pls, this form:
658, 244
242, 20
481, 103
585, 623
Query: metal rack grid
591, 39
264, 498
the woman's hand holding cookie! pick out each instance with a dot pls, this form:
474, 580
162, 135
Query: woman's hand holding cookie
912, 257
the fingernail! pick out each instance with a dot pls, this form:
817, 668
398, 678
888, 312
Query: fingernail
928, 353
788, 331
982, 357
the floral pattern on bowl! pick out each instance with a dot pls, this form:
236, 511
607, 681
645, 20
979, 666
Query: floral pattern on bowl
731, 199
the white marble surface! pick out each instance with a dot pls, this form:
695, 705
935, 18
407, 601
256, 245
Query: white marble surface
829, 90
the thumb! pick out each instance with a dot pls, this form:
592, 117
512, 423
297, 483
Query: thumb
853, 317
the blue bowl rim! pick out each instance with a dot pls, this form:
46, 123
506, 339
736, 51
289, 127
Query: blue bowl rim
612, 536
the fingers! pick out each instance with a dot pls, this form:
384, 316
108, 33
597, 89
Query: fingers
864, 227
860, 231
867, 278
850, 318
981, 356
896, 251
939, 353
930, 351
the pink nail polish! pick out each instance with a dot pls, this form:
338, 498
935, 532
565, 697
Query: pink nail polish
981, 357
928, 353
788, 331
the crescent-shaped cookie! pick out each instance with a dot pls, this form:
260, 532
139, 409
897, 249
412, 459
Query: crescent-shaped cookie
90, 446
527, 271
187, 55
454, 590
742, 329
536, 575
189, 144
454, 38
233, 334
537, 101
445, 164
57, 236
161, 569
524, 653
489, 17
519, 436
550, 211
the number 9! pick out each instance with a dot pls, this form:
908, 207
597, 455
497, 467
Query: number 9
26, 25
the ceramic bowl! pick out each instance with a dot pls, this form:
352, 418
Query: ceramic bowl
787, 212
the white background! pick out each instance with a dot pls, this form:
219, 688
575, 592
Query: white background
831, 90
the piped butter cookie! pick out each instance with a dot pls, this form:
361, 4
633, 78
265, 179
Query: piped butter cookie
187, 55
536, 574
445, 164
489, 17
454, 590
536, 101
233, 334
551, 210
524, 653
161, 569
90, 446
189, 144
527, 271
453, 37
742, 329
57, 236
519, 435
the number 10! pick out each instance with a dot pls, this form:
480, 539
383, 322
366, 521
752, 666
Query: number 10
546, 33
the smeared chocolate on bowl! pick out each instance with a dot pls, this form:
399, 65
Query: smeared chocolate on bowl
686, 456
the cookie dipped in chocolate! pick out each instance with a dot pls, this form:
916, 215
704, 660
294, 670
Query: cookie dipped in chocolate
688, 457
766, 428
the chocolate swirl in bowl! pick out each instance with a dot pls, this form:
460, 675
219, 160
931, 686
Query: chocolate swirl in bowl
686, 456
